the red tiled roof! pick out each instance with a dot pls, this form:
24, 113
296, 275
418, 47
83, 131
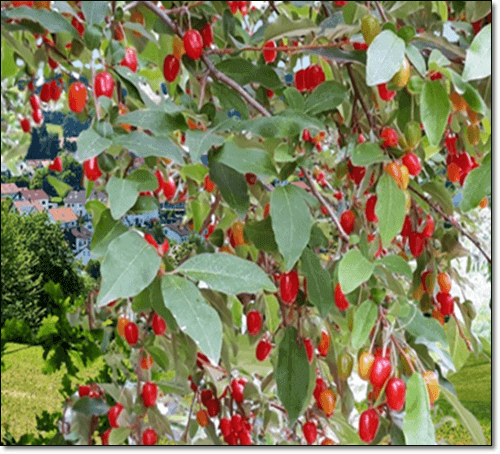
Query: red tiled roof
9, 188
34, 194
63, 214
21, 204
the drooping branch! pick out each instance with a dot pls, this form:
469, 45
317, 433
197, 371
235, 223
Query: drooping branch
325, 204
381, 11
452, 221
358, 96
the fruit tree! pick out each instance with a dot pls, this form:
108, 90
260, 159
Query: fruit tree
334, 155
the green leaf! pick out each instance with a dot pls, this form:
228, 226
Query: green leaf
229, 99
422, 327
417, 425
106, 231
438, 191
367, 153
284, 26
198, 210
477, 185
196, 172
364, 320
390, 208
95, 12
385, 56
285, 124
319, 282
243, 72
261, 234
466, 417
478, 56
60, 186
193, 315
143, 145
129, 266
232, 185
327, 96
148, 298
438, 59
458, 347
157, 121
291, 221
90, 144
159, 356
292, 374
227, 273
396, 264
90, 407
118, 436
9, 67
92, 39
354, 269
416, 59
294, 99
145, 204
246, 160
199, 142
273, 313
435, 106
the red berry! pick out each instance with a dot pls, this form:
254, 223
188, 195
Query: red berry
83, 390
150, 239
52, 63
381, 369
347, 220
149, 437
193, 44
435, 75
77, 24
55, 91
233, 6
57, 165
131, 333
35, 102
446, 302
356, 173
340, 4
91, 169
37, 116
207, 35
171, 68
104, 85
390, 137
158, 324
395, 392
237, 391
105, 437
340, 299
263, 350
310, 432
225, 426
416, 243
209, 184
368, 425
113, 414
149, 390
254, 322
309, 349
429, 227
206, 395
237, 423
324, 343
370, 209
319, 388
77, 97
269, 53
251, 178
289, 286
130, 59
406, 230
245, 438
45, 93
385, 95
360, 46
306, 135
412, 162
213, 407
324, 210
25, 125
269, 93
169, 189
300, 80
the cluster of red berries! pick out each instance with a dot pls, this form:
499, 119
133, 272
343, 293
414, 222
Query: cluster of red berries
445, 302
417, 240
92, 390
236, 430
308, 79
167, 186
458, 164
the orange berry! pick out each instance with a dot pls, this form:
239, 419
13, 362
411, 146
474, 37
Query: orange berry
324, 343
394, 171
458, 102
453, 172
432, 383
327, 402
444, 282
436, 314
238, 235
365, 364
146, 362
483, 203
122, 323
202, 418
405, 177
137, 18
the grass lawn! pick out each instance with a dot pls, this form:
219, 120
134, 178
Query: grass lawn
26, 392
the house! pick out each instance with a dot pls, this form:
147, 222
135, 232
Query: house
36, 194
84, 255
78, 238
140, 220
100, 196
25, 207
11, 190
177, 233
76, 201
65, 216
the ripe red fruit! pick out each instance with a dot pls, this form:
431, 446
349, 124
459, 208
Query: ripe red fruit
381, 369
18, 4
149, 437
370, 209
233, 6
263, 350
37, 116
77, 24
269, 53
91, 169
57, 165
45, 93
324, 343
104, 85
207, 35
429, 227
149, 390
171, 67
360, 46
55, 91
245, 438
269, 93
25, 125
300, 80
206, 395
306, 135
435, 75
347, 220
310, 432
130, 59
314, 76
213, 407
193, 44
225, 426
446, 303
324, 210
412, 162
355, 173
416, 243
237, 423
368, 425
406, 230
131, 333
395, 392
385, 95
105, 437
289, 286
340, 299
319, 388
83, 390
340, 4
209, 184
35, 102
113, 414
158, 324
169, 189
254, 322
77, 97
150, 239
251, 178
309, 349
237, 391
52, 63
390, 137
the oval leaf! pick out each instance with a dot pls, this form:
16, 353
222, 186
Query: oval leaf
384, 58
319, 282
435, 107
354, 269
364, 319
390, 208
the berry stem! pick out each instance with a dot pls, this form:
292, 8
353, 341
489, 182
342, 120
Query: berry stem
461, 333
357, 95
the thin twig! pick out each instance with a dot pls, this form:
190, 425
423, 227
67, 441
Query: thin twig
408, 359
325, 204
273, 7
461, 333
207, 220
381, 11
202, 90
189, 418
357, 95
452, 221
230, 50
130, 164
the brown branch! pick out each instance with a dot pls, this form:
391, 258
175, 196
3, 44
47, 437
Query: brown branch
189, 418
452, 221
206, 222
461, 333
273, 7
325, 204
211, 67
381, 11
229, 50
358, 96
130, 164
202, 90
